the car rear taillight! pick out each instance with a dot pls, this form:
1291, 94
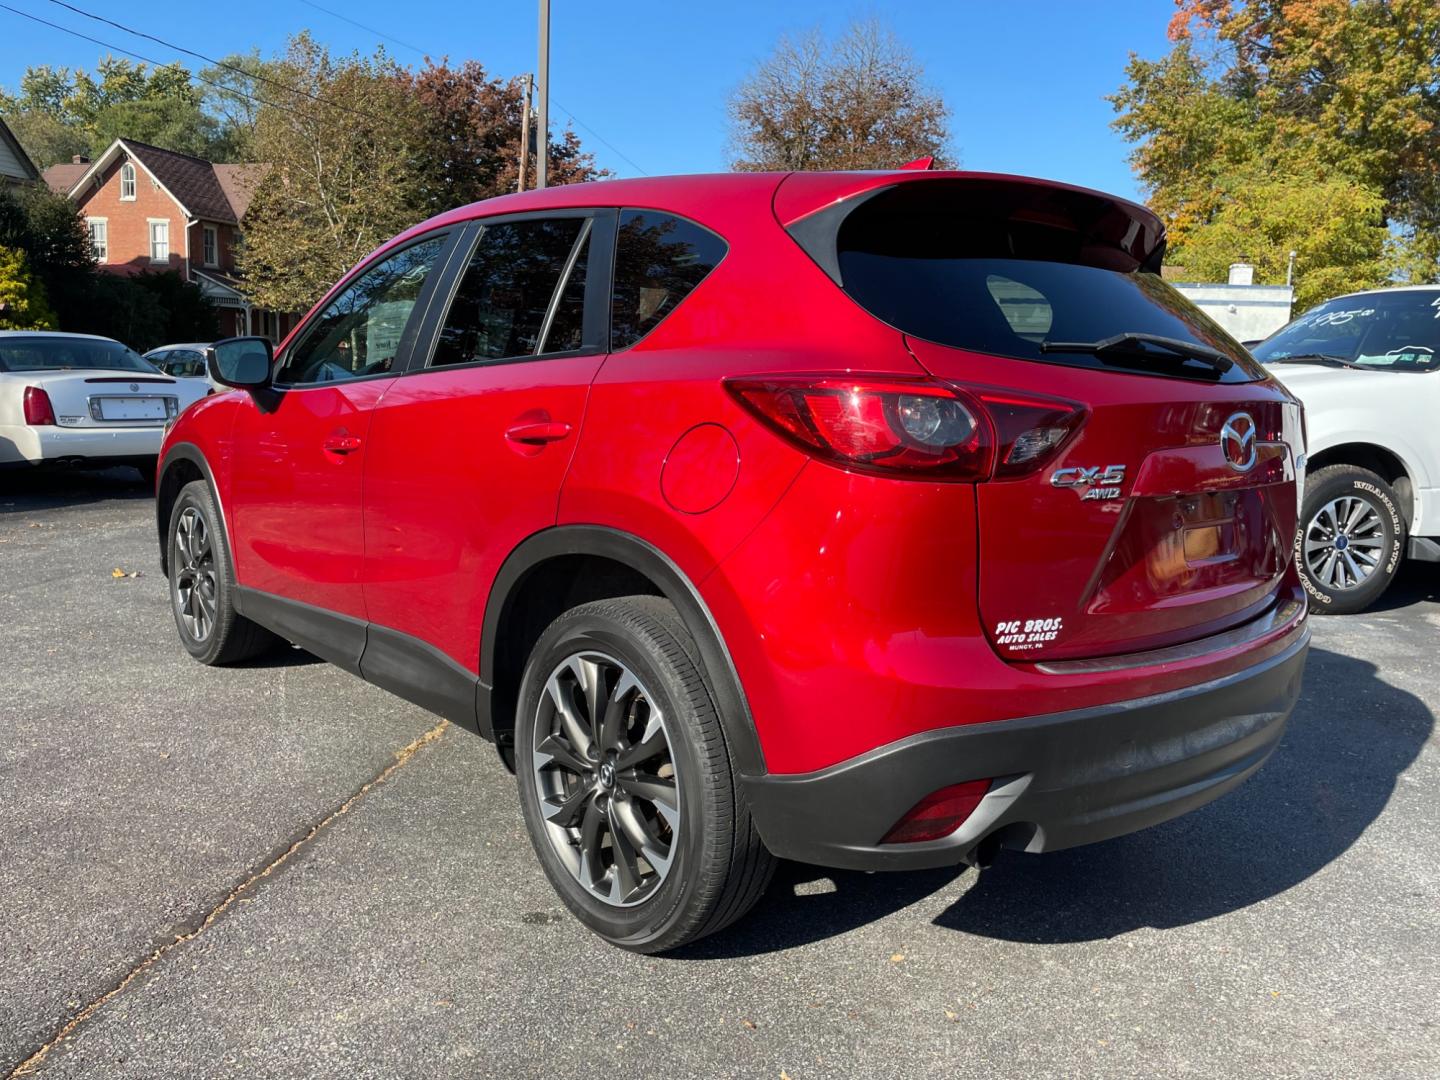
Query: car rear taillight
920, 427
938, 814
38, 410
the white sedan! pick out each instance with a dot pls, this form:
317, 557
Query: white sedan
83, 400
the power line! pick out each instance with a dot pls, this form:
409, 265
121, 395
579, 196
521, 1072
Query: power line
148, 59
226, 65
427, 54
368, 29
599, 138
255, 77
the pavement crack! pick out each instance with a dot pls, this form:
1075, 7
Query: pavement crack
402, 756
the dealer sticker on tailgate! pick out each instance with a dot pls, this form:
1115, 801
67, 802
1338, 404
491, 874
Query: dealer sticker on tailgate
1027, 633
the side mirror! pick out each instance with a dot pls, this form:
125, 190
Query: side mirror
242, 362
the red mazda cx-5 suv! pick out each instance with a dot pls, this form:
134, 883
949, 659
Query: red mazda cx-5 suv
875, 520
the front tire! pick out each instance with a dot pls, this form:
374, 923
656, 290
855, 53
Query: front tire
1351, 539
202, 583
626, 783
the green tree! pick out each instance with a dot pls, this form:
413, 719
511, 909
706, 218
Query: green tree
23, 305
1270, 121
230, 95
120, 308
859, 102
59, 112
1334, 227
49, 230
345, 163
189, 314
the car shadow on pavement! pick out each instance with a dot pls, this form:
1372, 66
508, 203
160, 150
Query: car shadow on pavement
1349, 739
1333, 774
283, 655
24, 491
1417, 582
805, 904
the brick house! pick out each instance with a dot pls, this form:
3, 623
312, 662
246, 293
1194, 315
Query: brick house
153, 209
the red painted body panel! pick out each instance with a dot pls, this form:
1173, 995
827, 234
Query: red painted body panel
766, 308
857, 599
1115, 572
448, 495
295, 506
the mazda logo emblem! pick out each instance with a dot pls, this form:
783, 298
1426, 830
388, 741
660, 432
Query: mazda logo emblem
1237, 442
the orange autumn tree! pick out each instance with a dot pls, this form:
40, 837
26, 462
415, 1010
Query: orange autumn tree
1333, 103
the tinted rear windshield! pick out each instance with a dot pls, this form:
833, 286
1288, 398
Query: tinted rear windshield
77, 354
1394, 331
1017, 271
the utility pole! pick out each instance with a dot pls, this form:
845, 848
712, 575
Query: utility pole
525, 133
542, 135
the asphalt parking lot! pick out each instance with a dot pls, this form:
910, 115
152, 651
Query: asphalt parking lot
279, 871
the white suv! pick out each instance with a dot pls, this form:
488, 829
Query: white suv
1365, 365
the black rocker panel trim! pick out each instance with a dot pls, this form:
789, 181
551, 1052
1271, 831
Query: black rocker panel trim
331, 636
407, 667
719, 670
421, 674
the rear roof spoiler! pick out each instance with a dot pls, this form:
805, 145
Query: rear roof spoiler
813, 206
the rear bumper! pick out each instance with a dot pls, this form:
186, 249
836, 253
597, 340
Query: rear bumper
34, 445
1060, 780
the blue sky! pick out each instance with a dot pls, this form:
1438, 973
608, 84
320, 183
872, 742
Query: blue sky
1025, 80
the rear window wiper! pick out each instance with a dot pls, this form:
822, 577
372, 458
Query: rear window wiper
1319, 358
1128, 342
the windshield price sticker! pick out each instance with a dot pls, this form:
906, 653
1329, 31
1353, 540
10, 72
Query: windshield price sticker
1019, 634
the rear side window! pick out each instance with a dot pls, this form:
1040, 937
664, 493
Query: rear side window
503, 307
1017, 271
659, 259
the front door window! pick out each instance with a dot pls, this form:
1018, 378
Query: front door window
359, 332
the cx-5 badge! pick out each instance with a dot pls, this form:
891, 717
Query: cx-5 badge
1093, 482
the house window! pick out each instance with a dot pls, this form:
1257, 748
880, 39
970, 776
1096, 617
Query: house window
211, 246
159, 240
99, 230
127, 182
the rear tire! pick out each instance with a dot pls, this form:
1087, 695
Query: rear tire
1351, 539
612, 711
202, 583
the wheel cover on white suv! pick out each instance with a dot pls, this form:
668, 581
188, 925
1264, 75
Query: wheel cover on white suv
1344, 543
